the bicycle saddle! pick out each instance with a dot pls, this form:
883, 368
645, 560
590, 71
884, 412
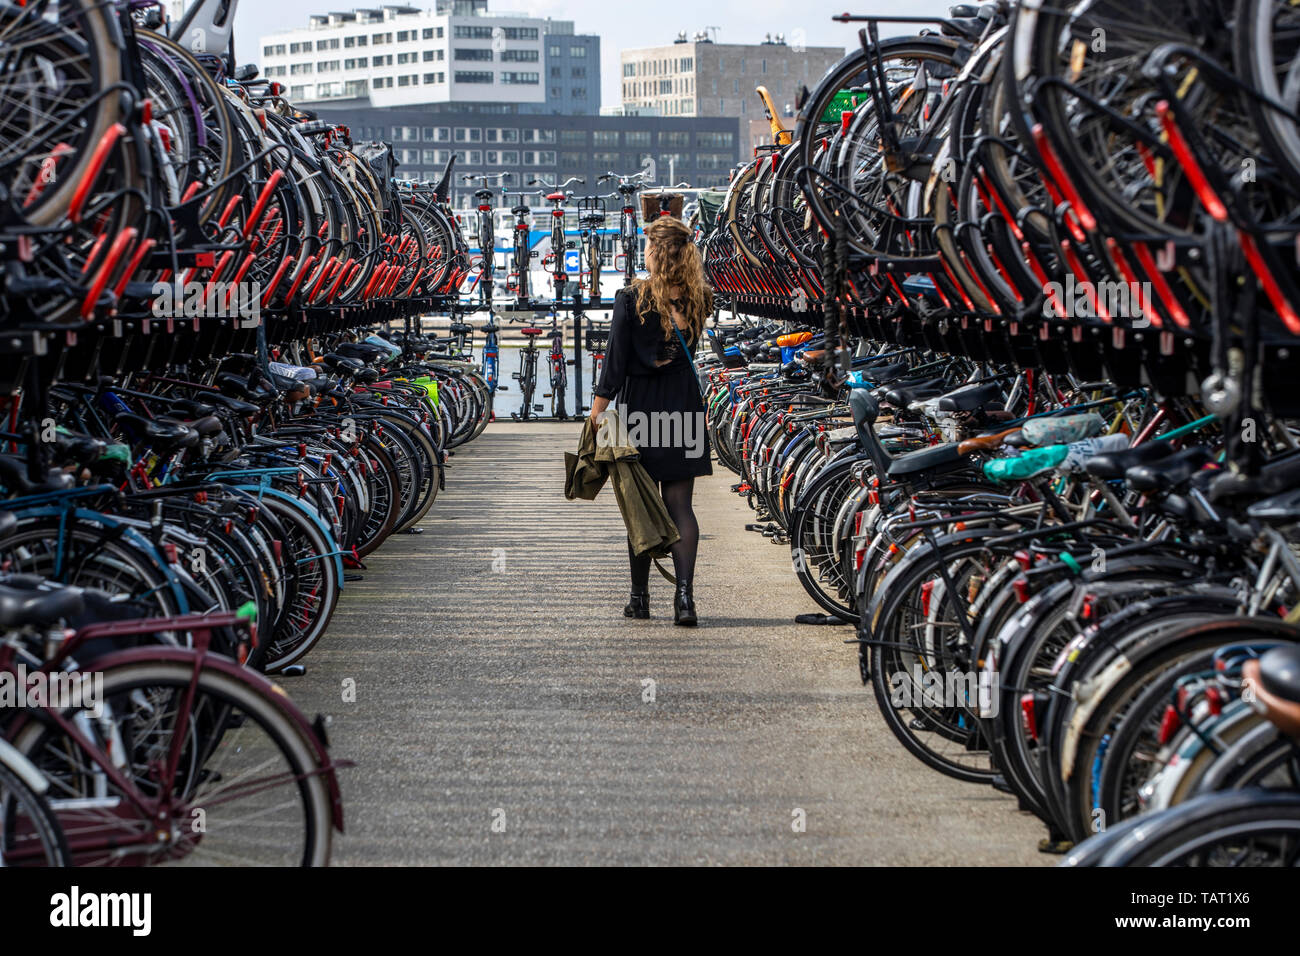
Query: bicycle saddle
81, 449
556, 197
360, 350
238, 384
367, 375
1279, 672
13, 475
884, 374
234, 405
1274, 478
902, 396
164, 434
207, 425
1169, 471
1279, 509
192, 408
533, 330
970, 398
1113, 464
341, 364
284, 383
935, 458
30, 608
458, 328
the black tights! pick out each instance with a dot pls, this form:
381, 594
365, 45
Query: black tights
677, 497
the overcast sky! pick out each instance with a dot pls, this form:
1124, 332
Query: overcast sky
621, 24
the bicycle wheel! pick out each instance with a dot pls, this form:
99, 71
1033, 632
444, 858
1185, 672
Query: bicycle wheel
247, 788
58, 59
30, 834
1246, 828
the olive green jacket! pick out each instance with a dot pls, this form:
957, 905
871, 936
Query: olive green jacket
648, 526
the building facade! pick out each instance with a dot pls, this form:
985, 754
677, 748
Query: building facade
458, 52
698, 77
698, 150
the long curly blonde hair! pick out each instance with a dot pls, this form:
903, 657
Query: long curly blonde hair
678, 268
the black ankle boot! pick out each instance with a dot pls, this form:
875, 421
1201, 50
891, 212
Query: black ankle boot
638, 605
684, 606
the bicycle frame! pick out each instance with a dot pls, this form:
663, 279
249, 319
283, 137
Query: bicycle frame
198, 658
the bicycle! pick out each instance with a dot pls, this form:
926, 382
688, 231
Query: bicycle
527, 374
595, 341
558, 369
486, 232
591, 219
522, 253
558, 197
628, 228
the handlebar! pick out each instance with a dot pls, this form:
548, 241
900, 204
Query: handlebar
624, 177
557, 188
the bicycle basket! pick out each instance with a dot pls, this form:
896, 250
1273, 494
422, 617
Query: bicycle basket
650, 206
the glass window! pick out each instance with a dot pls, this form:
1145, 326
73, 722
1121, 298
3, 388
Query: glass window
573, 137
517, 79
473, 76
714, 140
604, 137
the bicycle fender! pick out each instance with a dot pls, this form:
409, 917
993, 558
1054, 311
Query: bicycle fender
22, 767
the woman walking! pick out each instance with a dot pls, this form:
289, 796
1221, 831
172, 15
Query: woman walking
649, 371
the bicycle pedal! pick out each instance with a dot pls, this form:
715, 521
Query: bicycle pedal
413, 531
293, 670
353, 577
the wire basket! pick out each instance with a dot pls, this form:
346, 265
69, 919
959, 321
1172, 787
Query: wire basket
650, 205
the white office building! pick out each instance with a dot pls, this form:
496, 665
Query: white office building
458, 52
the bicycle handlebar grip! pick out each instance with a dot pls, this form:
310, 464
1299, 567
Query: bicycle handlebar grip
314, 127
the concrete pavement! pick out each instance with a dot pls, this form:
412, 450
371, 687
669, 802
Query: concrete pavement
502, 707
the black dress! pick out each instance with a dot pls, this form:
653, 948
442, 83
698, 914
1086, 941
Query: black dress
672, 446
